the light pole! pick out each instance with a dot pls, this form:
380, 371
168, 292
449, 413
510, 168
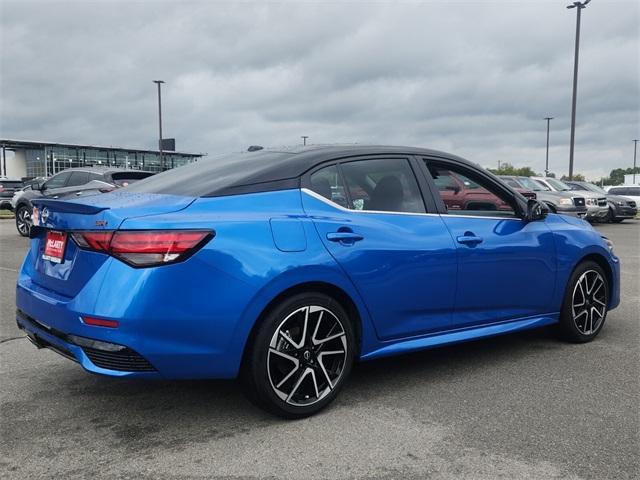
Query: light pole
635, 151
546, 165
304, 139
578, 6
159, 83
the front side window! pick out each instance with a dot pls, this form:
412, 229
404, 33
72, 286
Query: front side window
58, 180
383, 185
465, 192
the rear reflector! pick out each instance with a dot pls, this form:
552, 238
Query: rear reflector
100, 322
144, 248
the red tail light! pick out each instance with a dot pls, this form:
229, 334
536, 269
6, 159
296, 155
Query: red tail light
144, 248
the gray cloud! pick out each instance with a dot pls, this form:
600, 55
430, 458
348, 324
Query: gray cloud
473, 78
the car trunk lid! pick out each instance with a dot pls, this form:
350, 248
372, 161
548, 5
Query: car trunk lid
99, 213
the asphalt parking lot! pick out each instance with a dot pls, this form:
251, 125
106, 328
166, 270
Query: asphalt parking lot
519, 406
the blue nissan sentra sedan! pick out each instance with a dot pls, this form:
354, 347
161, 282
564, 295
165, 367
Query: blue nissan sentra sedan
283, 267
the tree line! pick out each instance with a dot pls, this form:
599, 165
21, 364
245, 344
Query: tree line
616, 177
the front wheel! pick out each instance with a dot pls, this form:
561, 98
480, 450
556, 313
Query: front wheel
585, 304
300, 356
23, 220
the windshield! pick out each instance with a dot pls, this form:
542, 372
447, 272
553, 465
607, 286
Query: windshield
593, 188
558, 185
532, 184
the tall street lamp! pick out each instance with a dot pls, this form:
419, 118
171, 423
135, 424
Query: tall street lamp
304, 139
159, 83
635, 151
546, 165
578, 6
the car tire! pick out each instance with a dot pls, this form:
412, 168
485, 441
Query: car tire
295, 371
585, 305
552, 208
23, 220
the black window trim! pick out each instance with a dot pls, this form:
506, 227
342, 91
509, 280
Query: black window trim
423, 188
519, 204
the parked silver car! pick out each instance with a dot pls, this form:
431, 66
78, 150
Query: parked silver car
597, 206
620, 207
557, 202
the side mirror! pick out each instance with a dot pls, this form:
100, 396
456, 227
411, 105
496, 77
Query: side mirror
40, 185
536, 210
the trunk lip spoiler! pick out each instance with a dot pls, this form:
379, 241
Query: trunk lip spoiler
66, 206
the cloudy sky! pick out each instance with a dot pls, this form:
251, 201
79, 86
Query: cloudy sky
474, 78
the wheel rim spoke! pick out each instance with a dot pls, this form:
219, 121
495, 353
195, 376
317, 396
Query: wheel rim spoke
301, 373
589, 302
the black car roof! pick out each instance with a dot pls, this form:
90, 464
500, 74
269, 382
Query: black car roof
292, 162
100, 169
263, 170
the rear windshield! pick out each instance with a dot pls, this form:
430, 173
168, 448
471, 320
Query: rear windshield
209, 175
122, 179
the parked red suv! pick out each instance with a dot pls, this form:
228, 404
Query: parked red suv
461, 193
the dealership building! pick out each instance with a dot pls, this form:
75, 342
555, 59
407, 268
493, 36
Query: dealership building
28, 159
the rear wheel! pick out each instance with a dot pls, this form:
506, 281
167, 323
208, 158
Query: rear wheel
585, 304
300, 356
23, 220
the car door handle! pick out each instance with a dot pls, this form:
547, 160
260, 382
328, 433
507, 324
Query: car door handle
344, 237
469, 238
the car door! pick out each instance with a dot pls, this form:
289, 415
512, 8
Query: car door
506, 265
371, 216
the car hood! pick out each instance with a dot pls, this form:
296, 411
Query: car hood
618, 198
556, 195
578, 222
585, 194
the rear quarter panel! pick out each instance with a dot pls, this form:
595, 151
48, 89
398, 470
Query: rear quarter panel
219, 293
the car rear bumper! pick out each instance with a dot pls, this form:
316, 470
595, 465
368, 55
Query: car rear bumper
165, 330
95, 356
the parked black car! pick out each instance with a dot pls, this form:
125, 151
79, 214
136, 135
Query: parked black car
619, 207
7, 189
73, 183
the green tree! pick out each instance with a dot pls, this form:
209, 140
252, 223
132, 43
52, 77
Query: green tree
578, 177
508, 169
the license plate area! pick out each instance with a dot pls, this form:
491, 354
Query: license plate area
54, 246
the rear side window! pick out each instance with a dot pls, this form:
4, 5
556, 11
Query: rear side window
77, 179
619, 191
122, 179
384, 185
328, 183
